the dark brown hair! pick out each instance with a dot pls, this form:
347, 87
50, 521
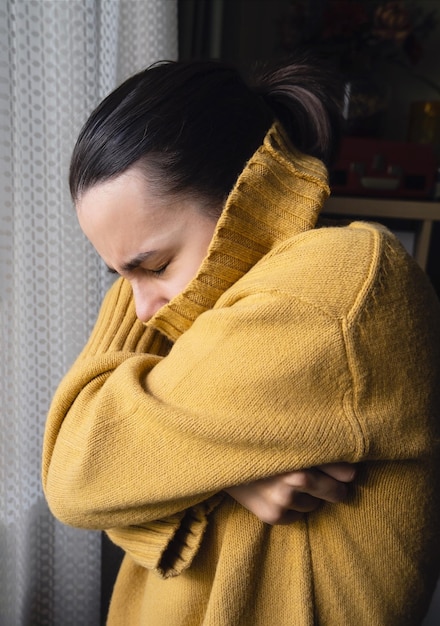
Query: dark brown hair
194, 124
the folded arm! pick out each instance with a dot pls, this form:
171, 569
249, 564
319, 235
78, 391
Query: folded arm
134, 437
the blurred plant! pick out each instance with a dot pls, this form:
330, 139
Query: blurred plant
360, 34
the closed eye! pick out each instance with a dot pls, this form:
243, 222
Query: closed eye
160, 270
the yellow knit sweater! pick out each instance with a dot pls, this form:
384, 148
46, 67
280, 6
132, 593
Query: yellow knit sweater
297, 344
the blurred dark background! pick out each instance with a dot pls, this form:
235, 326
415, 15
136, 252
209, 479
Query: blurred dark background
386, 53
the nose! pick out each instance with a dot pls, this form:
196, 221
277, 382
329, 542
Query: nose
147, 300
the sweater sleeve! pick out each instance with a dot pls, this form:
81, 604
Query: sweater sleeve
133, 438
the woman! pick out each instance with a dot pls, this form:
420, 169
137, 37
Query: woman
271, 351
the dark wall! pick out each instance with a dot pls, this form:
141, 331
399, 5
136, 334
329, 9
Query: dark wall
249, 32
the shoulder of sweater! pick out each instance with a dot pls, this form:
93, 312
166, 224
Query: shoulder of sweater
336, 268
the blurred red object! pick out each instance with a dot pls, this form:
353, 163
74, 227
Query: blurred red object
377, 167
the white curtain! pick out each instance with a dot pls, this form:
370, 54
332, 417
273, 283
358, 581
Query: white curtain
58, 58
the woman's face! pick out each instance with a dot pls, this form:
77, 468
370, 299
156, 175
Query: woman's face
155, 242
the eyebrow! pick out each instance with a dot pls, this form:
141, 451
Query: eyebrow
134, 262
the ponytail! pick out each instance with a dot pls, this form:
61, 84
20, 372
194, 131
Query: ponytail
304, 98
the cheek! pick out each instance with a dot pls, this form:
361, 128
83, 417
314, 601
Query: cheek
188, 263
195, 260
184, 275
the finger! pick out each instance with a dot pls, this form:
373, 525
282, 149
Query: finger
317, 484
280, 517
344, 472
304, 503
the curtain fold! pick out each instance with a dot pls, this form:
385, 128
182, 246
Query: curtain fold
58, 58
200, 29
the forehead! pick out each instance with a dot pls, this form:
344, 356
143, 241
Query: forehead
128, 199
122, 217
127, 188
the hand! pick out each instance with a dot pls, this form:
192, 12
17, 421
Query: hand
284, 498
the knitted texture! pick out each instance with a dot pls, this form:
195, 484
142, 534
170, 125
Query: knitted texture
295, 345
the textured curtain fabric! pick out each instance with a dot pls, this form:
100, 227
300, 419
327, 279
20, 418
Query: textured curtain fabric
58, 58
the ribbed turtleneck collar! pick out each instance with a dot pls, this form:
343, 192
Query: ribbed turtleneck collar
278, 195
